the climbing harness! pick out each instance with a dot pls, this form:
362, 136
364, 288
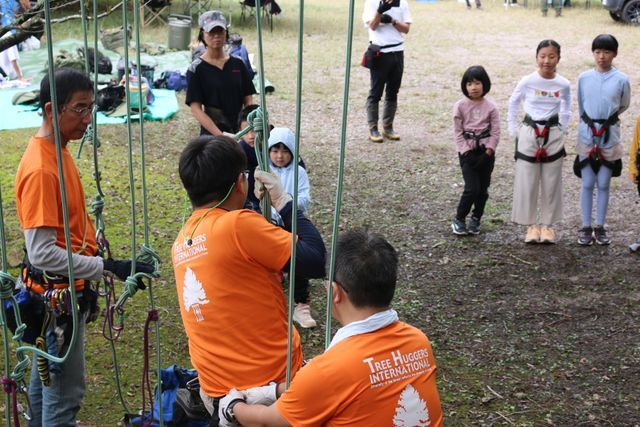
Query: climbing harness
600, 137
542, 137
476, 137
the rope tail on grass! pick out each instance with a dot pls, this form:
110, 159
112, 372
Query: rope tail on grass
343, 138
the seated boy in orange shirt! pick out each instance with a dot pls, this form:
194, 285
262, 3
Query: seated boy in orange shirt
227, 262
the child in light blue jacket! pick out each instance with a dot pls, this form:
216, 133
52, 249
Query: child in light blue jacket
281, 154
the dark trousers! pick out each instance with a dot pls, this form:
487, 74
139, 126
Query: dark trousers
387, 72
476, 168
301, 291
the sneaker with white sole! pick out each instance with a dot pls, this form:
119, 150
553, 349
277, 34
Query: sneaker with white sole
459, 227
600, 234
302, 315
533, 234
585, 236
547, 235
474, 226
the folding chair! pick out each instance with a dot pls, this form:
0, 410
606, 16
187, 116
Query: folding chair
151, 10
269, 8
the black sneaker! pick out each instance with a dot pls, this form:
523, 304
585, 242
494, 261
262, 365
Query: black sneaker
459, 227
585, 236
601, 236
474, 225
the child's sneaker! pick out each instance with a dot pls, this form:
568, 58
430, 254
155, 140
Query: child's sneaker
585, 236
547, 235
474, 226
459, 227
302, 315
533, 234
600, 235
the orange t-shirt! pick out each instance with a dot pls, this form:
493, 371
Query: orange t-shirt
231, 300
382, 378
39, 203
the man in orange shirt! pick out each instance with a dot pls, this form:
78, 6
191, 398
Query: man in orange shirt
227, 262
377, 371
39, 208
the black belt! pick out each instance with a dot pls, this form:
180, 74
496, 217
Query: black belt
541, 159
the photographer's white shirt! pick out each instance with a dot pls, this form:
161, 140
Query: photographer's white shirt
386, 34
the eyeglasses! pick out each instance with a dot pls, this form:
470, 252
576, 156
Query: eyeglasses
82, 112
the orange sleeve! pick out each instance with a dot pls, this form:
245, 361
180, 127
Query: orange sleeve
38, 196
261, 241
313, 397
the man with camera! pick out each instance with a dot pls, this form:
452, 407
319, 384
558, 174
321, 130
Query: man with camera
387, 21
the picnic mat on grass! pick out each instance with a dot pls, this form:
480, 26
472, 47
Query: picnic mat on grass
20, 116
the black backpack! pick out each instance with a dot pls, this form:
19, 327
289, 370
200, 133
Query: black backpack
104, 63
110, 97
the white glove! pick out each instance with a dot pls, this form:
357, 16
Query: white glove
265, 395
225, 408
271, 182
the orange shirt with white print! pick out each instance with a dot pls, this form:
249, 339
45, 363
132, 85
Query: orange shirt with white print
384, 378
231, 300
39, 202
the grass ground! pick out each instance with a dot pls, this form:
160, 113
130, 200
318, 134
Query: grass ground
524, 336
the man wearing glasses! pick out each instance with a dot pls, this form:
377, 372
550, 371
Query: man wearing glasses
57, 397
227, 262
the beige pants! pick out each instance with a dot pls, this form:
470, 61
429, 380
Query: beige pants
208, 401
537, 182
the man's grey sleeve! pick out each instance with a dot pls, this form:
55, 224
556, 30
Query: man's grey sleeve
45, 255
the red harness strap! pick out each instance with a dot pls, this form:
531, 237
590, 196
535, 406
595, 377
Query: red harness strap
596, 154
541, 155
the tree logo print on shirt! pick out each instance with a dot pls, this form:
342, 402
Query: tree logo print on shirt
193, 295
412, 410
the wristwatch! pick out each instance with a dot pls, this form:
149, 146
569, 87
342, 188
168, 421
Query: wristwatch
229, 414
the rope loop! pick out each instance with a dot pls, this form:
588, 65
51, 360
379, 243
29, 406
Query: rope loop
97, 205
131, 285
21, 367
7, 285
149, 256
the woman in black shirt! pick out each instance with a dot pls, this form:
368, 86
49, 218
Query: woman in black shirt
218, 85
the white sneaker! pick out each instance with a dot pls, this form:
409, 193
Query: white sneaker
302, 315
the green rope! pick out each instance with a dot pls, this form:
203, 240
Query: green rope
262, 150
147, 255
294, 219
83, 16
343, 139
